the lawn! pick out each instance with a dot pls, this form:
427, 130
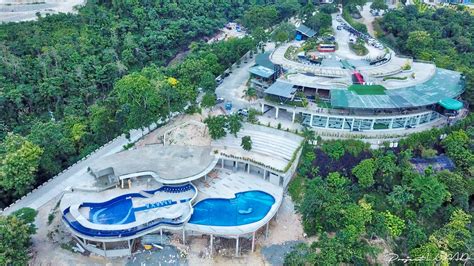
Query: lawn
367, 89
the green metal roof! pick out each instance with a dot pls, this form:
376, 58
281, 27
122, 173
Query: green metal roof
261, 71
303, 29
444, 84
264, 60
451, 104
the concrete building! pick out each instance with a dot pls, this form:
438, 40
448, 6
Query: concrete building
391, 93
214, 191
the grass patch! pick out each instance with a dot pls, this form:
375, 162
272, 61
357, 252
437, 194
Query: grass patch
367, 89
359, 48
296, 188
394, 78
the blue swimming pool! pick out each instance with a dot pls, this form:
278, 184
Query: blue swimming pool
119, 211
246, 208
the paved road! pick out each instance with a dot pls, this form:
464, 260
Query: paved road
232, 86
70, 177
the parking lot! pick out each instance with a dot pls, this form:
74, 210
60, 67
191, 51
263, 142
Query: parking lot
343, 37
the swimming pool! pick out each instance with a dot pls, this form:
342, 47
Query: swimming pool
246, 208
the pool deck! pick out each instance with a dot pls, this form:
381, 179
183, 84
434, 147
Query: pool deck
226, 184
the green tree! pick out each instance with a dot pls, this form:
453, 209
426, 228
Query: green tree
430, 194
334, 149
234, 123
364, 172
57, 146
15, 235
400, 197
319, 21
378, 5
139, 100
19, 160
420, 43
394, 224
208, 100
246, 143
216, 126
260, 16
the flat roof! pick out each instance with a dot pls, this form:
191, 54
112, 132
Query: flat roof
281, 89
264, 60
444, 84
168, 163
303, 29
261, 71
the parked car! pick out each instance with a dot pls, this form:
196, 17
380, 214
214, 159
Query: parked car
220, 100
228, 106
339, 27
243, 112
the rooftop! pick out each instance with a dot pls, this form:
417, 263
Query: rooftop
262, 71
281, 89
306, 31
444, 84
188, 163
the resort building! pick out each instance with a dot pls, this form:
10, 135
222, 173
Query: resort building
219, 190
384, 93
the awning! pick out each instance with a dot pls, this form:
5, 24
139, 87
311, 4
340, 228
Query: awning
451, 104
281, 89
261, 71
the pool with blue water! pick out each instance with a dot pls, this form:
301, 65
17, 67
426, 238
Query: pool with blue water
246, 208
119, 211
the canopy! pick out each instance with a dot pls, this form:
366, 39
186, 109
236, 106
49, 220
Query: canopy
281, 89
450, 104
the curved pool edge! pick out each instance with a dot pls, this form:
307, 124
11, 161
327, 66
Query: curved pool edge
133, 231
233, 231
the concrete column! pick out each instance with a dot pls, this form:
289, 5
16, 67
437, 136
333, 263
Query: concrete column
263, 108
212, 244
266, 230
343, 123
372, 125
390, 125
293, 117
184, 237
406, 121
129, 247
352, 124
222, 163
253, 242
237, 246
105, 250
248, 168
161, 235
129, 183
418, 120
311, 121
327, 122
264, 174
276, 113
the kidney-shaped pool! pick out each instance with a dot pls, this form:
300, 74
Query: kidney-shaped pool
246, 208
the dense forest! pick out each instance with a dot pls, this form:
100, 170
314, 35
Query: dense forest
70, 83
359, 201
